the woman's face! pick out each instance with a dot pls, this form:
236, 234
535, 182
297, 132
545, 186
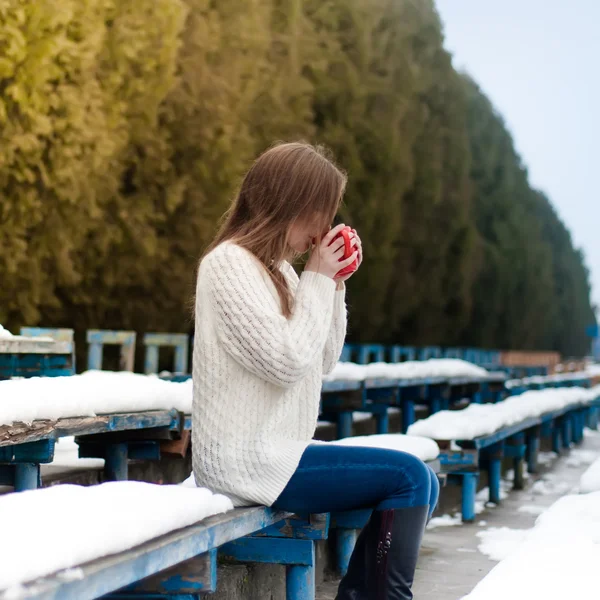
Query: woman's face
302, 233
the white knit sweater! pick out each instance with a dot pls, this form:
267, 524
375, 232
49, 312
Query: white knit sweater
257, 375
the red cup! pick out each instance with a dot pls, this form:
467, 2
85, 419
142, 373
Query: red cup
348, 251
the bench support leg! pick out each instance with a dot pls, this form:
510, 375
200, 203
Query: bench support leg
408, 414
27, 476
344, 425
435, 404
469, 490
300, 582
383, 422
494, 478
556, 438
519, 481
566, 431
346, 540
532, 452
115, 467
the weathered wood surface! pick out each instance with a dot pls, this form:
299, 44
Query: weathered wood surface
22, 345
20, 433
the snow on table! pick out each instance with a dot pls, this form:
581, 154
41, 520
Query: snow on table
484, 419
89, 394
433, 368
57, 528
557, 559
590, 480
423, 448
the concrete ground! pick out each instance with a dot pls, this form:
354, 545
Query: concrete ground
450, 564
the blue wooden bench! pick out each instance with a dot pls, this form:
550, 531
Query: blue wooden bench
519, 442
340, 399
116, 438
179, 342
28, 357
98, 338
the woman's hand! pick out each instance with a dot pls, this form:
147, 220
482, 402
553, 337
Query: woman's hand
357, 243
325, 259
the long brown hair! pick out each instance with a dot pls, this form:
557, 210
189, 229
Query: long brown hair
288, 182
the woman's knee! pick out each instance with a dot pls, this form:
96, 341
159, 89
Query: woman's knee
434, 493
414, 481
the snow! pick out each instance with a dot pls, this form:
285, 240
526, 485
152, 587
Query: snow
421, 369
498, 542
590, 480
445, 521
89, 394
483, 419
4, 333
63, 526
564, 542
423, 448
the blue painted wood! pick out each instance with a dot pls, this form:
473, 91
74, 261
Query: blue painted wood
329, 387
532, 451
346, 540
468, 494
116, 465
402, 353
41, 451
459, 458
344, 424
494, 479
278, 550
97, 339
368, 353
111, 573
499, 436
35, 365
346, 355
195, 576
27, 477
305, 527
179, 341
300, 582
430, 352
408, 413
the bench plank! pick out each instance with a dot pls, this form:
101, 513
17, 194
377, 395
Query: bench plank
104, 575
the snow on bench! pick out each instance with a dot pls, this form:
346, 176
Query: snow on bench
557, 559
590, 480
61, 527
424, 448
433, 368
478, 420
89, 394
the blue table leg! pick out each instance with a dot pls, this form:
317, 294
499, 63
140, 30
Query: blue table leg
436, 405
300, 582
383, 422
346, 541
344, 425
533, 447
469, 490
566, 431
494, 478
408, 414
27, 477
115, 467
556, 437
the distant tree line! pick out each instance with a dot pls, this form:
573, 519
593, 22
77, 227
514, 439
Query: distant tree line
126, 127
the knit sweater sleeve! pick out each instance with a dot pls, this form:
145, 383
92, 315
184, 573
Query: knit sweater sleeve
250, 325
337, 333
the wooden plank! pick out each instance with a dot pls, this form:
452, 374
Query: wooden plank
21, 345
105, 575
194, 576
19, 433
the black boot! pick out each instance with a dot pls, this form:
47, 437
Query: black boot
353, 584
393, 548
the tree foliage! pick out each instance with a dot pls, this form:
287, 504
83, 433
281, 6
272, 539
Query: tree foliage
125, 127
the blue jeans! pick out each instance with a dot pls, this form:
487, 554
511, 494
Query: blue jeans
337, 478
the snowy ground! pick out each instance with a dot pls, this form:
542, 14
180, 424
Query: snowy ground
454, 559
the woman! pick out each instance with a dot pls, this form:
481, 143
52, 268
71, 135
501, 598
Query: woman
264, 339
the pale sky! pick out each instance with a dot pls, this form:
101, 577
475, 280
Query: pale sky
539, 63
